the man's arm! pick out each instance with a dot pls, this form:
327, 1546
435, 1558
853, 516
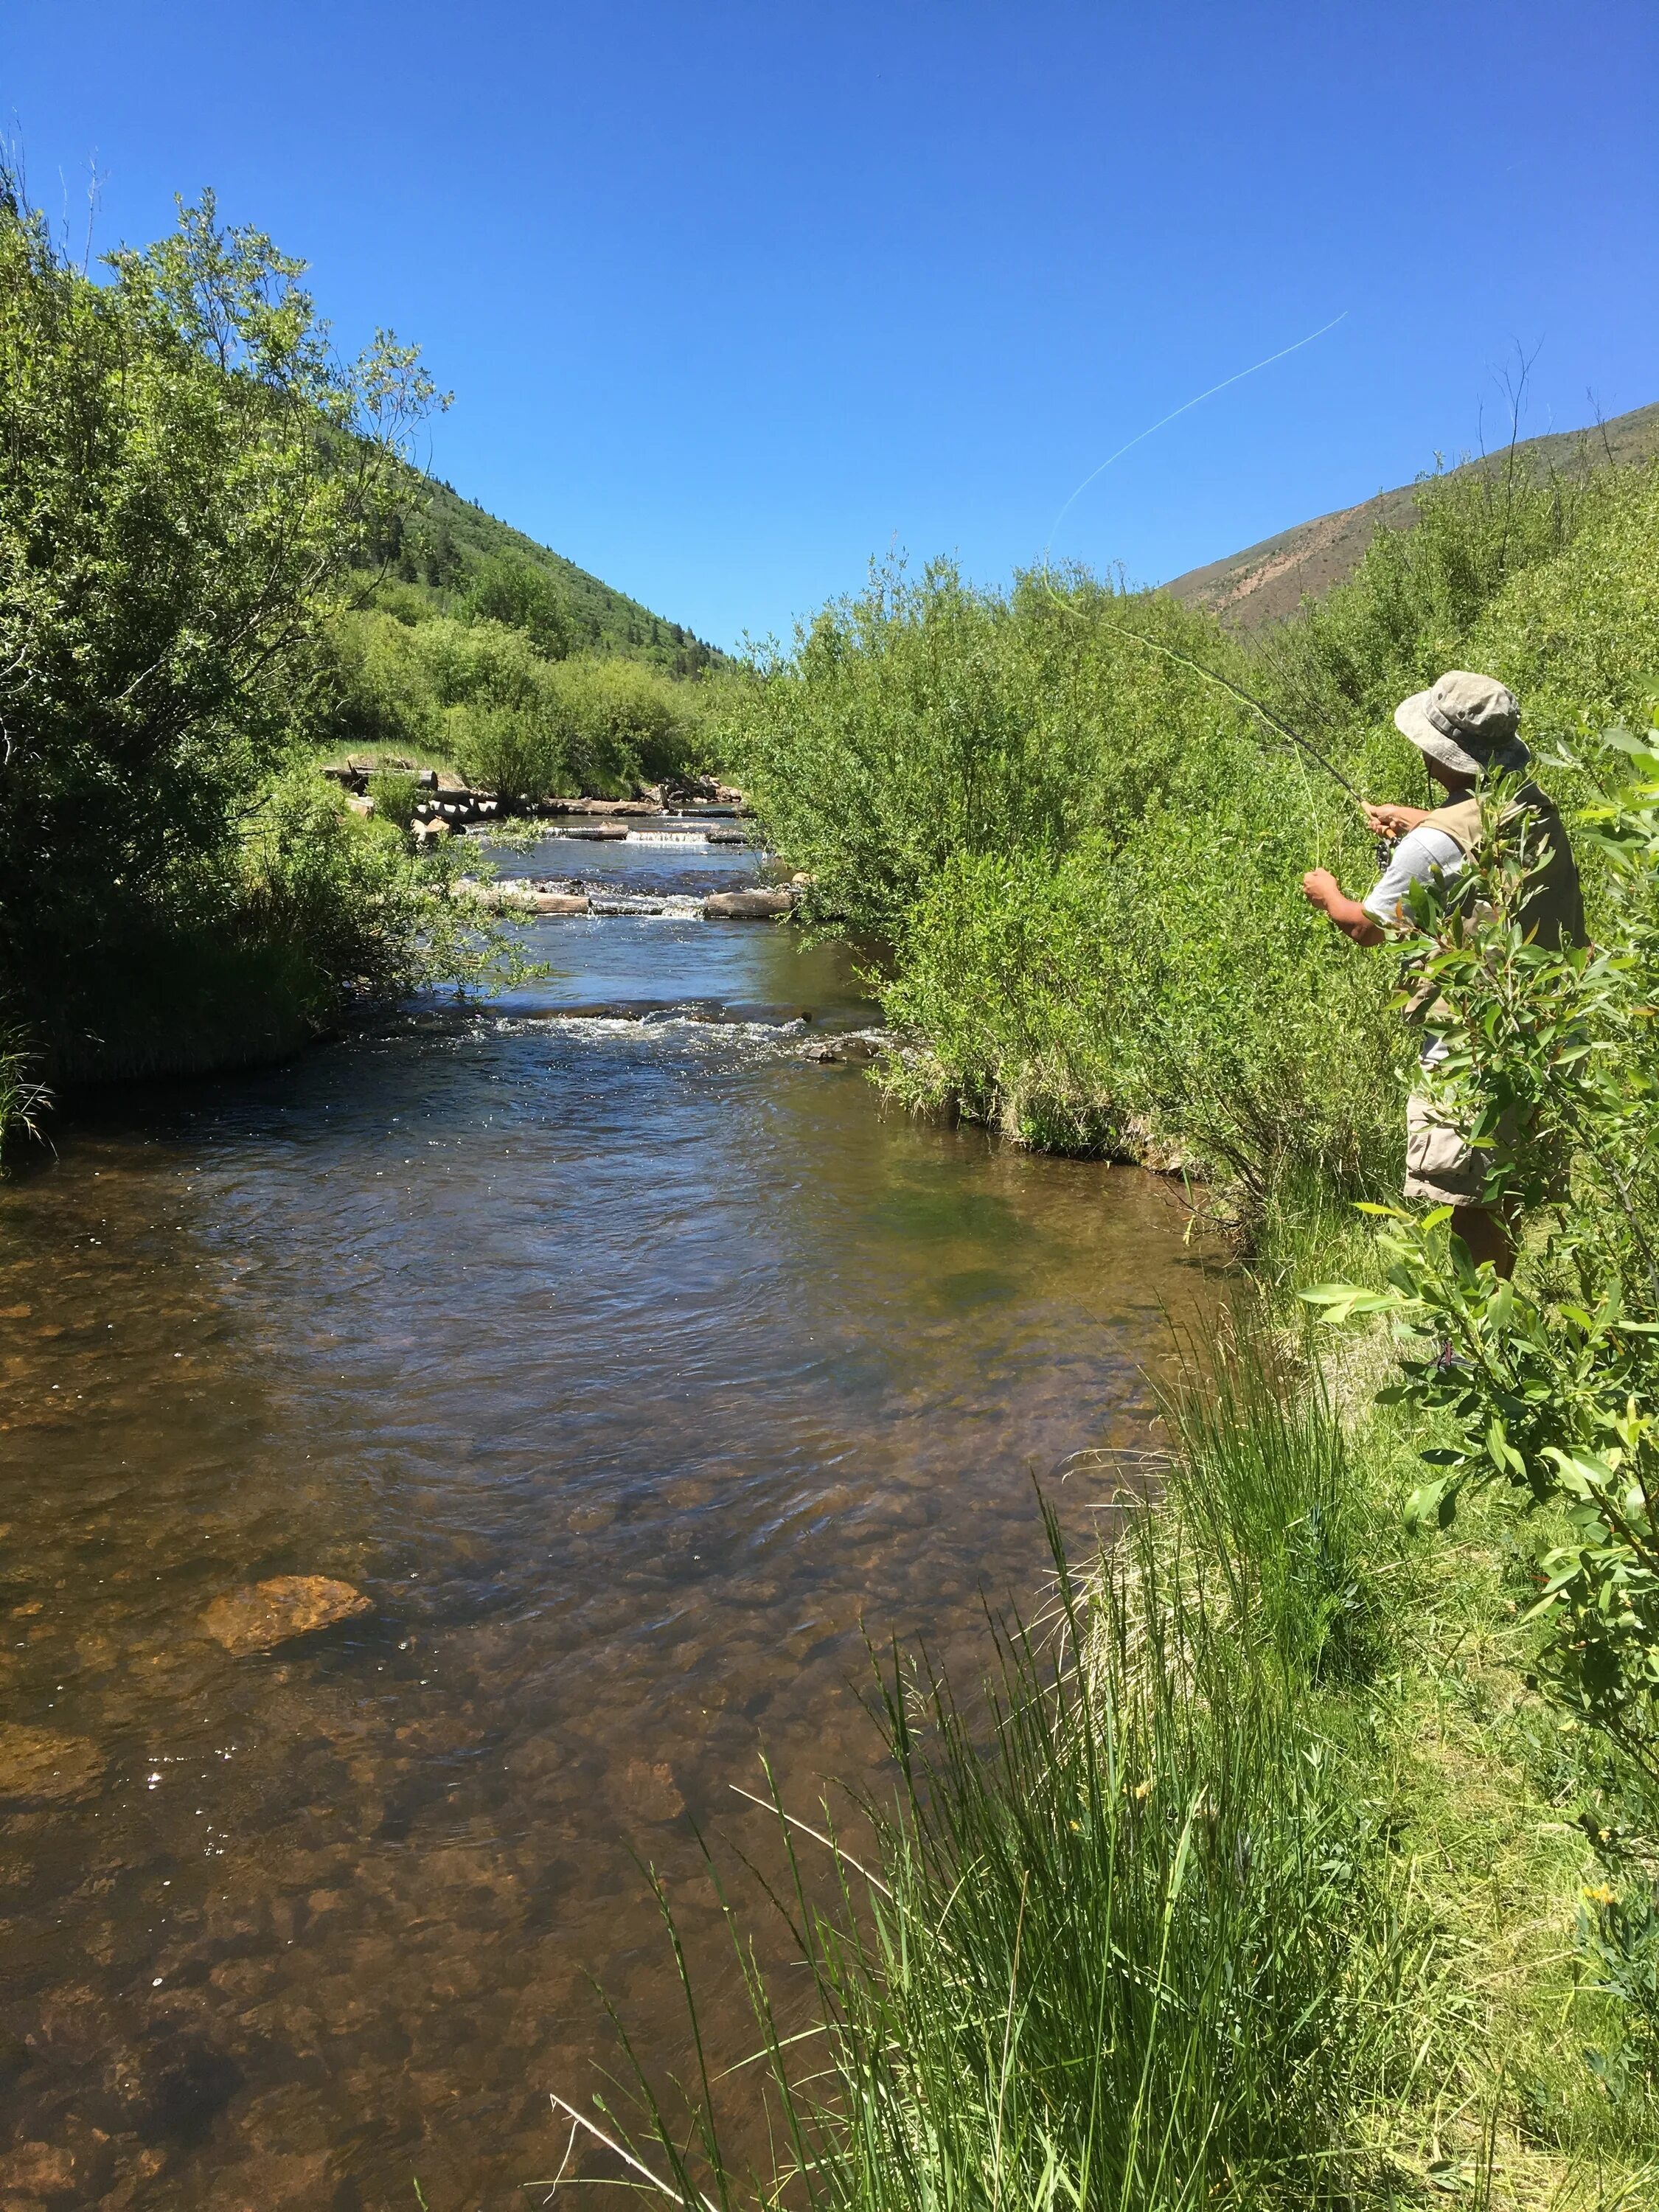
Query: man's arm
1321, 889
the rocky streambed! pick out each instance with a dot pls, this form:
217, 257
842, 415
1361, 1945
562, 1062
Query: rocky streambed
431, 1471
529, 895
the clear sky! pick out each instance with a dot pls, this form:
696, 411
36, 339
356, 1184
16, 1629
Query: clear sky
734, 296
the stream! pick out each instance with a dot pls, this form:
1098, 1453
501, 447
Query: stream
629, 1358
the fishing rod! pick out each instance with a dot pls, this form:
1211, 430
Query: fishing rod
1185, 660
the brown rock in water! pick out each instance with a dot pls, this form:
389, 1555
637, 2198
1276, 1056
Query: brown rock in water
37, 2169
269, 1614
748, 906
650, 1791
37, 1764
562, 903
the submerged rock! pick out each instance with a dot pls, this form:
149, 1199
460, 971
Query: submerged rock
38, 1764
37, 2169
268, 1614
860, 1047
650, 1792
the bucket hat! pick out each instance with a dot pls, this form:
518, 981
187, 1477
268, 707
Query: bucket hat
1466, 722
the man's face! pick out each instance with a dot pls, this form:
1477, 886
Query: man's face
1448, 779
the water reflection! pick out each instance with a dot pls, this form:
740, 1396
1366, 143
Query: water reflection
627, 1368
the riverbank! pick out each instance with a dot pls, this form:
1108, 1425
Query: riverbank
1265, 1879
1318, 1868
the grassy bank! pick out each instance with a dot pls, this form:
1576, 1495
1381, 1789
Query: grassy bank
1261, 1877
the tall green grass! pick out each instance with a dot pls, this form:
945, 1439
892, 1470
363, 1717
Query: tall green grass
1245, 1882
22, 1099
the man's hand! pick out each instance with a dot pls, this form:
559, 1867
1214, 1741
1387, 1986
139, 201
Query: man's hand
1321, 889
1395, 822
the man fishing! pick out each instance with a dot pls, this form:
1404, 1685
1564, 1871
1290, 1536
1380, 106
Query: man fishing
1465, 726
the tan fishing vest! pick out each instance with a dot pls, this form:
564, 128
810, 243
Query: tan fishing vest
1554, 908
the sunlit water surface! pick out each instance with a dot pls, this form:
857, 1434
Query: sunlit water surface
628, 1359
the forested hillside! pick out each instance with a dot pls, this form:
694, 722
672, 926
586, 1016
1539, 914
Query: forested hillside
446, 546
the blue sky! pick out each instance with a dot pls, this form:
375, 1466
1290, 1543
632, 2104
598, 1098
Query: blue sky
734, 297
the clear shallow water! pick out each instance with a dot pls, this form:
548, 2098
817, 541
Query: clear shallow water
627, 1365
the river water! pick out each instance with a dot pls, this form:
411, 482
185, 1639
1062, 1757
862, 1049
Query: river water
628, 1357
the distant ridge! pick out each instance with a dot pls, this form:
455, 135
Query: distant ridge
1266, 582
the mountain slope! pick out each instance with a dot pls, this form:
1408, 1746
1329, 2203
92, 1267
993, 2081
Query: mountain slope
1266, 582
447, 539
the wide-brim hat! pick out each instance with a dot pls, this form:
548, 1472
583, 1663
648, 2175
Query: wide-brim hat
1467, 723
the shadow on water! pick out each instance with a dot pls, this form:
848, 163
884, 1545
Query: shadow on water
628, 1366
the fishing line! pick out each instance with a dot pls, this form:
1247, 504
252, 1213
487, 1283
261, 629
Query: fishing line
1310, 752
1237, 377
1226, 682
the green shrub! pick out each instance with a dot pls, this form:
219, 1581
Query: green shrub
317, 910
516, 751
1416, 600
1083, 853
480, 693
622, 724
396, 792
187, 474
1577, 636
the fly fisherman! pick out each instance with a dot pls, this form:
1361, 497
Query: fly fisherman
1465, 727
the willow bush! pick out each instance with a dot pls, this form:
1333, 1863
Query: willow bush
481, 696
1083, 850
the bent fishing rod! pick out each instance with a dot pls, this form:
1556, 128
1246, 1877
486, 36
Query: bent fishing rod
1185, 660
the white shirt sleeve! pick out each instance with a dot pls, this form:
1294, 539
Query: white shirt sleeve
1419, 857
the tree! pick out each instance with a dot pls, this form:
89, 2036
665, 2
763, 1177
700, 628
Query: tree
525, 598
188, 474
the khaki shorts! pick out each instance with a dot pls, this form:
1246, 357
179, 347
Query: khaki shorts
1441, 1164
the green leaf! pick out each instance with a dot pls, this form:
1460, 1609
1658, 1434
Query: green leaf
1435, 1502
1344, 1300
